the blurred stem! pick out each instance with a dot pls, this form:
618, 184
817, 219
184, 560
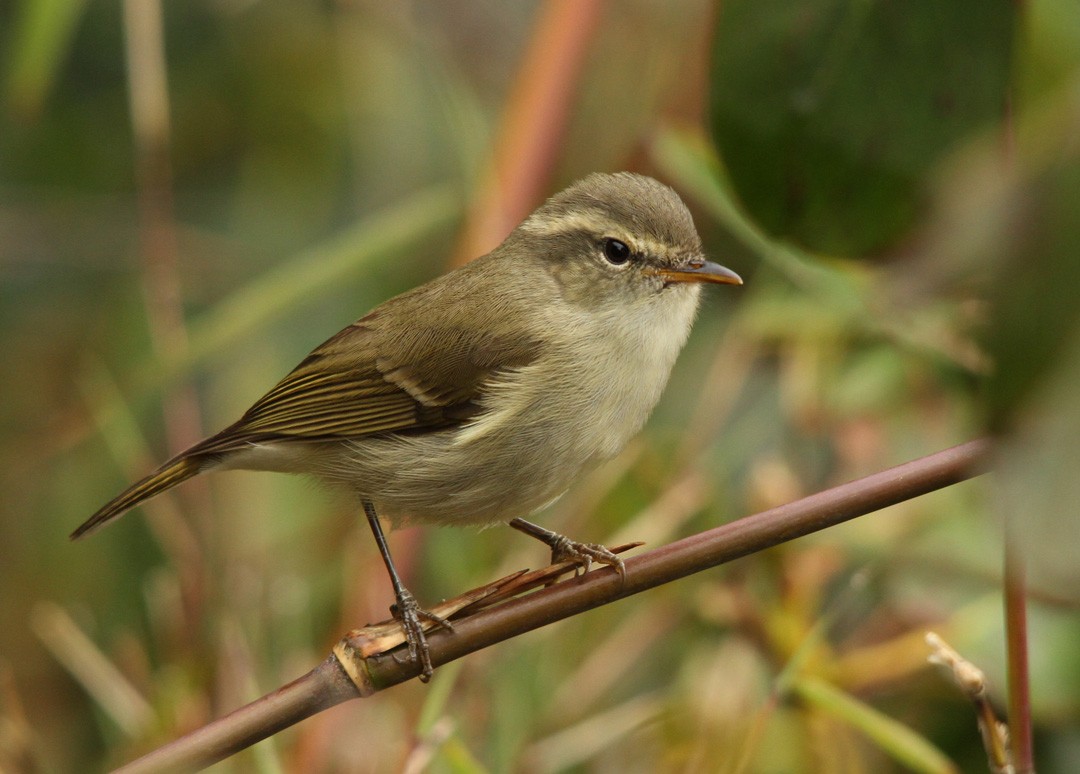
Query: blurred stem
1016, 639
752, 740
149, 106
78, 654
533, 125
1016, 635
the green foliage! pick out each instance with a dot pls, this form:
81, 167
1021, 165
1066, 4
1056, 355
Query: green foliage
1036, 317
829, 115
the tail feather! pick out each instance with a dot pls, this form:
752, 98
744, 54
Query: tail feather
166, 477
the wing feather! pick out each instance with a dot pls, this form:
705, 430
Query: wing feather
358, 384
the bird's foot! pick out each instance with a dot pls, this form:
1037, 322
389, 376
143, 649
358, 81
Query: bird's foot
411, 617
563, 549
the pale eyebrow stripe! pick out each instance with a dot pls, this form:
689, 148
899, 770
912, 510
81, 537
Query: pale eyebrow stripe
570, 221
591, 224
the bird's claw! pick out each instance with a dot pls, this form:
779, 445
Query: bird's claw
409, 614
566, 550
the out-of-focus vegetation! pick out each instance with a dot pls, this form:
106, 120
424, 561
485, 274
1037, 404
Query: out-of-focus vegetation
323, 156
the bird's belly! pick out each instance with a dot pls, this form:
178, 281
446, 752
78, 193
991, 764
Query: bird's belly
432, 479
538, 434
513, 460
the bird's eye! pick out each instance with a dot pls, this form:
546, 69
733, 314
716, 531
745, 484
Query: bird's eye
616, 252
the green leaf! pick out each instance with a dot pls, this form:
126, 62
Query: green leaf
828, 115
42, 36
1036, 315
896, 739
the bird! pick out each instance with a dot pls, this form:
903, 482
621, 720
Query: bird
480, 396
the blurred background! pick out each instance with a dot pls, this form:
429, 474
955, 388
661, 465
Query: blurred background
194, 195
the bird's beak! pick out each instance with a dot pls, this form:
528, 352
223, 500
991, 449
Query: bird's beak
700, 270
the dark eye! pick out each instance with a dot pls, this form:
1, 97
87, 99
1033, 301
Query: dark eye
616, 252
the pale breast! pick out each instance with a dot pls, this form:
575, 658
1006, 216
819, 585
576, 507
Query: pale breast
543, 424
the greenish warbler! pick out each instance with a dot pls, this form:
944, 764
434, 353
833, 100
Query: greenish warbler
479, 396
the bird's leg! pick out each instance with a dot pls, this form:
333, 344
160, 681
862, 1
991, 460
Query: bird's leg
405, 608
563, 549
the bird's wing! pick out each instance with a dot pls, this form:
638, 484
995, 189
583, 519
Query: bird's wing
368, 380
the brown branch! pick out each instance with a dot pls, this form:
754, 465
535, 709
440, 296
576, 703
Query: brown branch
349, 674
1016, 651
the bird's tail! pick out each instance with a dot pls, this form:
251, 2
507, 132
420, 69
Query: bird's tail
166, 477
